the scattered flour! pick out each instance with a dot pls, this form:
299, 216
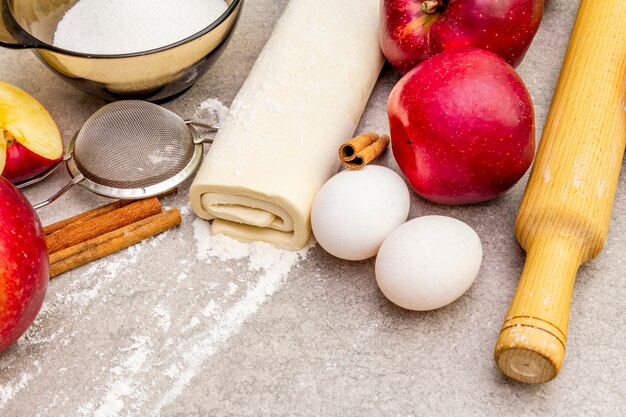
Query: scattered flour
209, 309
161, 156
163, 316
181, 277
81, 292
123, 385
172, 341
273, 265
192, 323
7, 391
220, 247
172, 371
211, 112
128, 26
232, 289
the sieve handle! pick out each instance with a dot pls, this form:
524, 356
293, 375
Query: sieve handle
62, 191
204, 125
197, 138
39, 177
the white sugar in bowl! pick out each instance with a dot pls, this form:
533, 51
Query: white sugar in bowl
355, 211
428, 262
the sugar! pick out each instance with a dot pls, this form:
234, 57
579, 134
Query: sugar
128, 26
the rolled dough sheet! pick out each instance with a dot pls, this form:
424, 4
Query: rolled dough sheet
278, 145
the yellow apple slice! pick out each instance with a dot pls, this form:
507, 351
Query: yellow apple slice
3, 151
30, 141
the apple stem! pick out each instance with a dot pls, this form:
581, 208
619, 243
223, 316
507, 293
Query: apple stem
430, 6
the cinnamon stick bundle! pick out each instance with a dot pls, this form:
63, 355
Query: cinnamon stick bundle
104, 230
84, 230
363, 149
112, 242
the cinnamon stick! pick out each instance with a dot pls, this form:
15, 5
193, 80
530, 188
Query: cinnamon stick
349, 150
83, 217
88, 215
98, 240
362, 150
79, 232
112, 242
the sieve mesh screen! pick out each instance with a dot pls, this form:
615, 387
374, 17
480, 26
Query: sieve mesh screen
133, 144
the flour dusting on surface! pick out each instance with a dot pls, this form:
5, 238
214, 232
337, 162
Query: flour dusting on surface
163, 316
220, 247
148, 319
211, 112
273, 265
7, 391
123, 385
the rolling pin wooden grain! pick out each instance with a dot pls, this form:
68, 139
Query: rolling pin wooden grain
564, 215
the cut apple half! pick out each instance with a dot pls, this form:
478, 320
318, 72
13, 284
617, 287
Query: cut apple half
30, 141
3, 151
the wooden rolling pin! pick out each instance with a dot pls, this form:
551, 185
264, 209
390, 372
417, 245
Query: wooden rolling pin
565, 211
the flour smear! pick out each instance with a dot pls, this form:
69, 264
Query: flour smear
127, 340
272, 264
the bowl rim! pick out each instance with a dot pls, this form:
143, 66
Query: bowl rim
39, 44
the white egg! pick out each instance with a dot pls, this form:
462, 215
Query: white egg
428, 262
355, 211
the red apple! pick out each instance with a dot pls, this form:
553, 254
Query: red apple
24, 267
30, 141
462, 126
414, 30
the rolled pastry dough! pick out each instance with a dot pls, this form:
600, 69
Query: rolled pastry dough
278, 145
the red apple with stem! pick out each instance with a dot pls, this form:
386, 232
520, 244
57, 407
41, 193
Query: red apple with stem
30, 142
24, 267
462, 126
414, 30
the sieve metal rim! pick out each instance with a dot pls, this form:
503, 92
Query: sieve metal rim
142, 192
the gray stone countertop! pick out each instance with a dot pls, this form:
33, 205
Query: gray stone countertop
168, 328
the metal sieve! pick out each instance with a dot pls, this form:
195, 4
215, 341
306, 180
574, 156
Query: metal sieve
132, 149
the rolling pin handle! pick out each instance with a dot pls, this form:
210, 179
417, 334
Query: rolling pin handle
531, 345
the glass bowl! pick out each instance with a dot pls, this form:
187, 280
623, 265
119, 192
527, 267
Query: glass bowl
155, 75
